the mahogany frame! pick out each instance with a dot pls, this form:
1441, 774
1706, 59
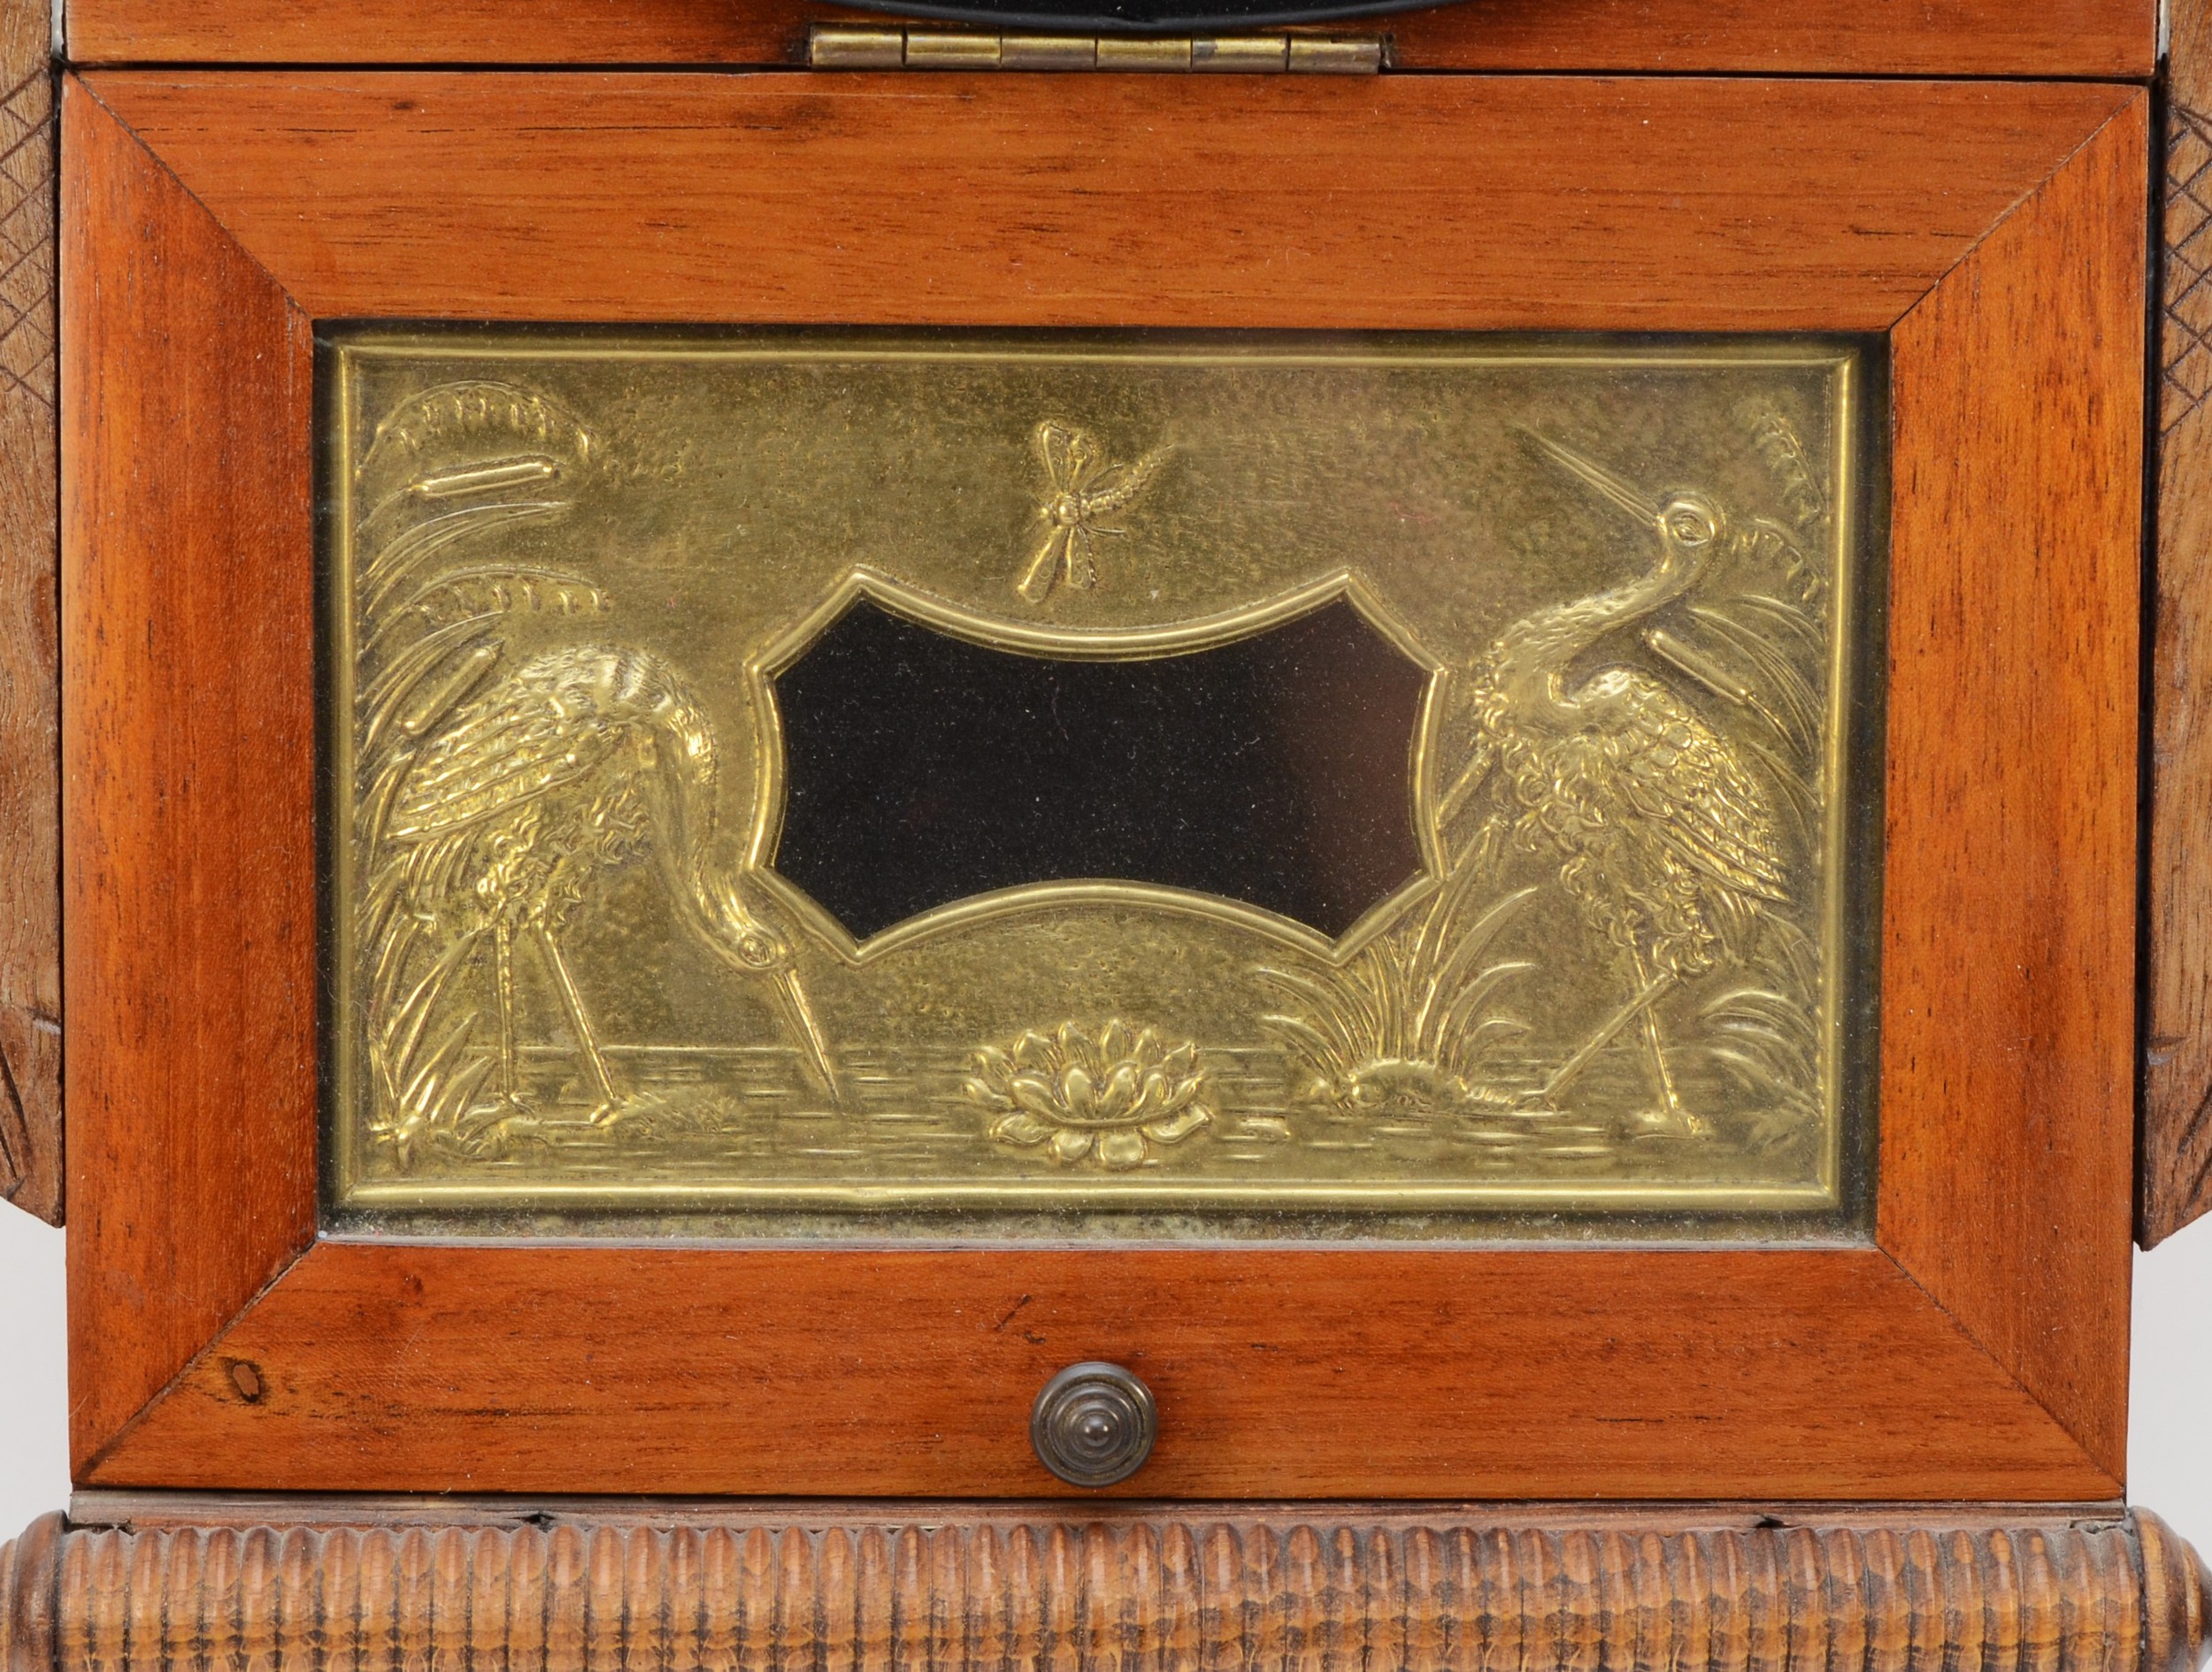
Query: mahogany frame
2118, 39
1976, 1349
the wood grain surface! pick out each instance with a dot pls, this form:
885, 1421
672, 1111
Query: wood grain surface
2009, 882
2113, 39
2176, 1167
1982, 1355
1408, 202
824, 1588
188, 748
30, 751
1495, 1373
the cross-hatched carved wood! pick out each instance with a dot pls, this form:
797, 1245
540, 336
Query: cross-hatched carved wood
30, 755
969, 1588
2185, 351
2174, 1171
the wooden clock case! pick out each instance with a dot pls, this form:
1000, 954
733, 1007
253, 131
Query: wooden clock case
1972, 1350
1968, 182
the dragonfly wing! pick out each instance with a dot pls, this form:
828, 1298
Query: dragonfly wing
1036, 582
1067, 454
1082, 558
1049, 441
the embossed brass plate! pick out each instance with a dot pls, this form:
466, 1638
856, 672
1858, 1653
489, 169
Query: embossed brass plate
1249, 784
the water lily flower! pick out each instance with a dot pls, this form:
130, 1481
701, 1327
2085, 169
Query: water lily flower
1110, 1097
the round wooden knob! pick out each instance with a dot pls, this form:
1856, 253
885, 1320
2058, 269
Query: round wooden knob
1094, 1425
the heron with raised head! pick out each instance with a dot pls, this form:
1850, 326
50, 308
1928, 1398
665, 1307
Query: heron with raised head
510, 816
1666, 841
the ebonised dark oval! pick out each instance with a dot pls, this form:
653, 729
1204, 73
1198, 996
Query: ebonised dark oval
922, 769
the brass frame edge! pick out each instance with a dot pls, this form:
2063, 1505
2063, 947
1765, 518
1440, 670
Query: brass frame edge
346, 1190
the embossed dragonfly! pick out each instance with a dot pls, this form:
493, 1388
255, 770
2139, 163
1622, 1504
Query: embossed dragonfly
1080, 488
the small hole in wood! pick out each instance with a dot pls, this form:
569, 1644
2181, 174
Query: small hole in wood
245, 1376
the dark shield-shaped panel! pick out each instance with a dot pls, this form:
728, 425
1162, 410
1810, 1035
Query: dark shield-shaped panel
923, 769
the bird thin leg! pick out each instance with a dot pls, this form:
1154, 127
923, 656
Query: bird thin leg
503, 973
1649, 993
573, 1002
1670, 1103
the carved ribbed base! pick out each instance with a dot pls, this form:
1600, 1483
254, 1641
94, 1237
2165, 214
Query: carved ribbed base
945, 1586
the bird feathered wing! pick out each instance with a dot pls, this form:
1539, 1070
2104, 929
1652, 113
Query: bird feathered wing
1690, 793
555, 722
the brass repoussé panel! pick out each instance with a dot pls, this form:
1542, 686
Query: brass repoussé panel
1607, 943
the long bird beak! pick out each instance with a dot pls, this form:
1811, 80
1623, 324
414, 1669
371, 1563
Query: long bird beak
799, 1016
1613, 487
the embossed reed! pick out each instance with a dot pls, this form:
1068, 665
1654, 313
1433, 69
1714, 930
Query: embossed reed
975, 1590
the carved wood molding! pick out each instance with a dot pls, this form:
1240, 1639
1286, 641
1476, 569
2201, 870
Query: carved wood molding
2174, 1170
1200, 1586
30, 755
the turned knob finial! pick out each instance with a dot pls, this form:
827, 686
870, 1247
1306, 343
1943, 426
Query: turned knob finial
29, 1564
2176, 1599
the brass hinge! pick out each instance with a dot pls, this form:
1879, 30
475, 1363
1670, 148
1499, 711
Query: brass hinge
847, 47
